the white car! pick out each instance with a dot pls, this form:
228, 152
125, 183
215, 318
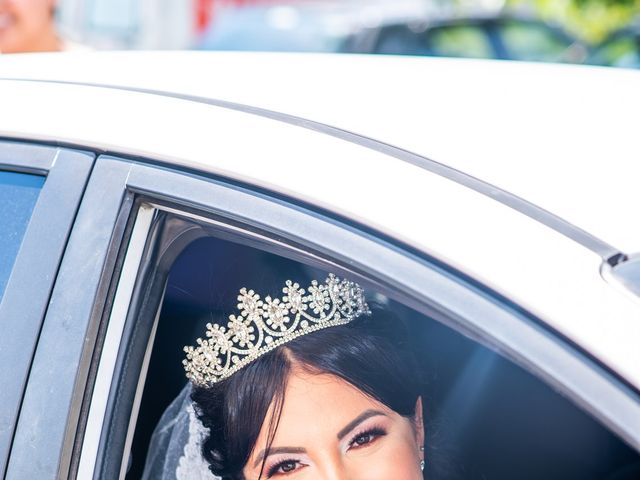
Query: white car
493, 205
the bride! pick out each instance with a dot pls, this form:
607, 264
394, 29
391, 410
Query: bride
312, 385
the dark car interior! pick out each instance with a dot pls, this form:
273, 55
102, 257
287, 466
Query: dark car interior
486, 418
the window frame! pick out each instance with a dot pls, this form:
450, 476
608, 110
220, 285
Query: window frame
24, 303
117, 189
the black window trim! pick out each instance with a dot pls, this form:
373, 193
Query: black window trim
25, 299
401, 274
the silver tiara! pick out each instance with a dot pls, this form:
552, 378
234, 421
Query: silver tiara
265, 325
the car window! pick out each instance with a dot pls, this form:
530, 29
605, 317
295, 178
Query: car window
460, 41
618, 52
481, 408
532, 42
18, 195
399, 40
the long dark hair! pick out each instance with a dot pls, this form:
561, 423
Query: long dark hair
371, 353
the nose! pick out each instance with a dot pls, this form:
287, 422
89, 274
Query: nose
334, 469
337, 475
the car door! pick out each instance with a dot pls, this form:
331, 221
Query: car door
79, 412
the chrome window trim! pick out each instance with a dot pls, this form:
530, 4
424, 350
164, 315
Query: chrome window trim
111, 345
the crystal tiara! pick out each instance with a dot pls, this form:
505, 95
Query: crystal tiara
265, 325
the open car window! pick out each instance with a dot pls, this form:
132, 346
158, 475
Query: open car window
484, 416
497, 383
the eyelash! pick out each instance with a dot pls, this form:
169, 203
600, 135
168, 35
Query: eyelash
274, 469
373, 432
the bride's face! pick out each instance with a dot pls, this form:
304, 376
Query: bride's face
330, 430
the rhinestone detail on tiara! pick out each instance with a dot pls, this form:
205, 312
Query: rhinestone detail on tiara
263, 325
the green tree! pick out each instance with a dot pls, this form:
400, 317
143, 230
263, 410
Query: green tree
591, 20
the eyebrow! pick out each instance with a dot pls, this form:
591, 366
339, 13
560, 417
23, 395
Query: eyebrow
357, 421
271, 451
341, 434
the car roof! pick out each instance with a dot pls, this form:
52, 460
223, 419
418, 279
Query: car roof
561, 137
453, 112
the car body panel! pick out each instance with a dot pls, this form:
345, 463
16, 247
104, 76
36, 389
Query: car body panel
526, 128
559, 281
26, 298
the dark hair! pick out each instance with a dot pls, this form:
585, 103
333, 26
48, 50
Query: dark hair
371, 353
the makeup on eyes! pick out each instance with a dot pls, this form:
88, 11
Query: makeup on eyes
282, 464
367, 429
373, 433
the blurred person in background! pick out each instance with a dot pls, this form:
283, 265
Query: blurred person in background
29, 26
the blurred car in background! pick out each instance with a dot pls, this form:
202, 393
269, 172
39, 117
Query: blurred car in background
620, 49
403, 28
472, 29
499, 37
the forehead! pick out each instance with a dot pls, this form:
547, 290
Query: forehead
319, 396
316, 389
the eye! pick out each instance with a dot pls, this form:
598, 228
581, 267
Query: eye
284, 468
367, 437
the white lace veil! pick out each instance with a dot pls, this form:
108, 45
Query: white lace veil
174, 450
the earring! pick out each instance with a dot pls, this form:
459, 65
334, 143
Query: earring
422, 461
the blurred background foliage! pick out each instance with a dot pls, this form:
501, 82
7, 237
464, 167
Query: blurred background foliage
590, 20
